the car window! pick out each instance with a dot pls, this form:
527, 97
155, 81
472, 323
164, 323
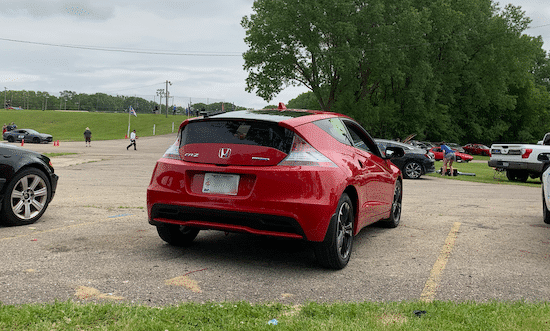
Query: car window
240, 132
361, 139
335, 128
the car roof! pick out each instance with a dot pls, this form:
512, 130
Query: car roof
290, 117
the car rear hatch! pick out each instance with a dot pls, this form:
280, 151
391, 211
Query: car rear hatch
234, 142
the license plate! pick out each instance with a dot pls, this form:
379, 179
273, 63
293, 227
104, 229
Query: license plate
505, 164
220, 183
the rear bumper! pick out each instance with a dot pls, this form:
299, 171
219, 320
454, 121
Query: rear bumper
286, 202
527, 166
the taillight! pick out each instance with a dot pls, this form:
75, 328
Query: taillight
173, 151
525, 152
303, 154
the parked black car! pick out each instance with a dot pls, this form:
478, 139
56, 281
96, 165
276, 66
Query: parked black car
27, 185
29, 135
416, 161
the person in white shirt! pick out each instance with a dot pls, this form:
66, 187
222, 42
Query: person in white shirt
132, 140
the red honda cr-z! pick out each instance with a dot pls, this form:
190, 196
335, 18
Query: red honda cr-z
309, 175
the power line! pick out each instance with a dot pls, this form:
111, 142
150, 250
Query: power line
123, 50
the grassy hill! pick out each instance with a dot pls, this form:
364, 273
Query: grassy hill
70, 126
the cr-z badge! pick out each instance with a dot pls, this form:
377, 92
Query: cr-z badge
191, 155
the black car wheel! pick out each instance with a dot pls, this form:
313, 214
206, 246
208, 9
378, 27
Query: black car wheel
36, 140
335, 251
412, 170
545, 212
395, 216
177, 235
27, 197
11, 139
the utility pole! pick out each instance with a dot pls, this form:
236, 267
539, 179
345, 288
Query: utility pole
160, 93
167, 82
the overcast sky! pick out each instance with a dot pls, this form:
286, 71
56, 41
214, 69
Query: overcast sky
204, 39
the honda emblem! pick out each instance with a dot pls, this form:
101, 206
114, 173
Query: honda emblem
224, 153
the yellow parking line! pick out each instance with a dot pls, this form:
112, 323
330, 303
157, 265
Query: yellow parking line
428, 294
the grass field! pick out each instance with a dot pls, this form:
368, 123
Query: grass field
70, 126
421, 316
483, 173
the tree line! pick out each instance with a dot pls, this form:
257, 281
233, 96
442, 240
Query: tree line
70, 100
448, 70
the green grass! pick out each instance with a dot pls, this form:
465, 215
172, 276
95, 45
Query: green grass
70, 126
311, 316
483, 173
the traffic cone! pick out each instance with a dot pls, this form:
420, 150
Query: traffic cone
22, 142
125, 136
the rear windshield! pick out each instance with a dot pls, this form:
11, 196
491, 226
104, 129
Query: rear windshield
238, 132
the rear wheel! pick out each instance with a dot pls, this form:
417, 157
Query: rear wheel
11, 139
395, 216
177, 235
335, 251
36, 140
412, 170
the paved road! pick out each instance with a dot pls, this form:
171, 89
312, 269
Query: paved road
458, 241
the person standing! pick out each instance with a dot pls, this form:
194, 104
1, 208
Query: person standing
132, 140
88, 137
4, 128
448, 159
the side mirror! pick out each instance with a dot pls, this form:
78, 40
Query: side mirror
543, 157
394, 151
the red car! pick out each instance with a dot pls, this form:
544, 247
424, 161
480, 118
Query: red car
310, 175
460, 157
477, 149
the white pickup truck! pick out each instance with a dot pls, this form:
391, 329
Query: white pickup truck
520, 160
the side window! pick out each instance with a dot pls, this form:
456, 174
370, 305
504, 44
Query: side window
335, 128
361, 138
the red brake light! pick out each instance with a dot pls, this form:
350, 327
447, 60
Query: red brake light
526, 153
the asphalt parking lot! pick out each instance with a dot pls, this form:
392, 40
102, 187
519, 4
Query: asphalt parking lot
457, 241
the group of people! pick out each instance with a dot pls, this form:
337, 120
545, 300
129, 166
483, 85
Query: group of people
88, 138
8, 127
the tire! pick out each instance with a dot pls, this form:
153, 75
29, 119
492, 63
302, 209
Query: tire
545, 212
335, 251
36, 140
395, 215
27, 197
177, 235
522, 176
412, 170
511, 175
11, 139
458, 159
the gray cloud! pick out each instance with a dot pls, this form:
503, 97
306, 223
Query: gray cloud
97, 10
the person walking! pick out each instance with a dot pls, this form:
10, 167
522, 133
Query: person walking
132, 140
448, 159
88, 137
